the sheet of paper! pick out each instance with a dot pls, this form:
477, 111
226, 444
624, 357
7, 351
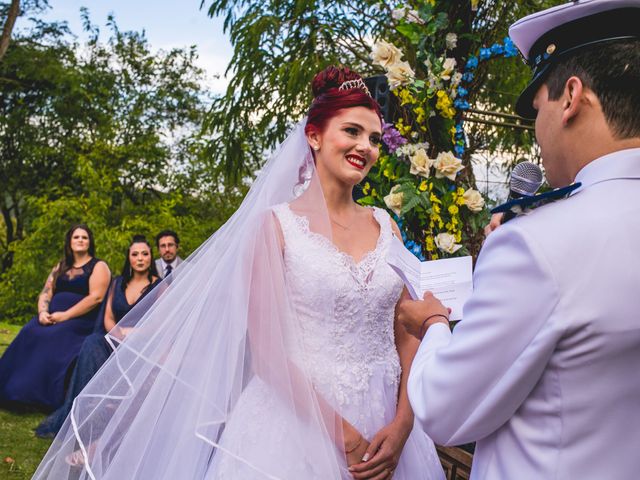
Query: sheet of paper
449, 279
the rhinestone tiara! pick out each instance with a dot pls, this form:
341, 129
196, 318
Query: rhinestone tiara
359, 83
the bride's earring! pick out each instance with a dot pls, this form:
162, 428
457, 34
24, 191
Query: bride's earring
316, 148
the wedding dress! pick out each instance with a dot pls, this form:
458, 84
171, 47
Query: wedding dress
351, 358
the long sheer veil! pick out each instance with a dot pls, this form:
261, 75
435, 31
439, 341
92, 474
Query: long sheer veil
158, 408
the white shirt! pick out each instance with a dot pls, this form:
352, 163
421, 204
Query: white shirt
543, 369
161, 265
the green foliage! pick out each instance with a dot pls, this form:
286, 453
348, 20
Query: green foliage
278, 47
107, 134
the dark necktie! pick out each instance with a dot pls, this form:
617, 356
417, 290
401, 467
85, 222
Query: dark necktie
167, 270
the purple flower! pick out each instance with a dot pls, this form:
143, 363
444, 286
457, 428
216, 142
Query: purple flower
392, 138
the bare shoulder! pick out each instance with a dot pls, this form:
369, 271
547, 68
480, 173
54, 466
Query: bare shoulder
101, 268
54, 270
394, 227
272, 221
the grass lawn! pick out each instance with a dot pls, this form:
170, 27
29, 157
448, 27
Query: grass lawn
20, 450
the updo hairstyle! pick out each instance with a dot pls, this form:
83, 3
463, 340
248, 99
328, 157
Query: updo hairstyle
328, 99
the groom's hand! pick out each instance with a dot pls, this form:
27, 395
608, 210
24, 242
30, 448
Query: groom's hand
418, 315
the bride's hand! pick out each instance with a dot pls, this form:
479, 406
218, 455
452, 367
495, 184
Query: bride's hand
382, 455
356, 453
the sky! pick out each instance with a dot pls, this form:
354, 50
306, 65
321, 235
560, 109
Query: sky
167, 24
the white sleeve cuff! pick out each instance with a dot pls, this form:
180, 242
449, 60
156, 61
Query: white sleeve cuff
437, 336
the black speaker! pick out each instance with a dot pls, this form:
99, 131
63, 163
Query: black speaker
379, 88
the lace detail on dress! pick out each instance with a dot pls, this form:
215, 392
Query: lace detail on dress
362, 267
342, 353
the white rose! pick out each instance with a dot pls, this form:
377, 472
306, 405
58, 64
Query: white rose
447, 243
452, 40
399, 13
394, 200
420, 163
385, 54
414, 17
473, 200
407, 14
448, 66
399, 74
455, 79
447, 165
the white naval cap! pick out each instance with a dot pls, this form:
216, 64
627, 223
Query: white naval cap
545, 37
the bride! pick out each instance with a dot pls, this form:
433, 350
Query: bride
272, 352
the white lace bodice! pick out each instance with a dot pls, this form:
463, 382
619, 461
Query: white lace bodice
345, 310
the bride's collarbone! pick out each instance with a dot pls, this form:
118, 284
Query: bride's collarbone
358, 240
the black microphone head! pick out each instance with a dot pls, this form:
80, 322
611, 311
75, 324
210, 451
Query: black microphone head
526, 179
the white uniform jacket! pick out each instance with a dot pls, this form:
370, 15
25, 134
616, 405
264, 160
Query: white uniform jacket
544, 369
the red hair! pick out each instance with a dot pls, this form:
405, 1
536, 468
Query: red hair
329, 100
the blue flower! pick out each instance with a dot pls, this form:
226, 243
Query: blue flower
459, 150
459, 129
497, 49
472, 63
485, 54
467, 77
462, 92
461, 104
510, 49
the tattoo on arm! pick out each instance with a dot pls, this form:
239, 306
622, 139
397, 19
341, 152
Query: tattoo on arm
45, 296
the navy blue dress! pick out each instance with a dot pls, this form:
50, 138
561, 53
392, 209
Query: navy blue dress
94, 352
34, 367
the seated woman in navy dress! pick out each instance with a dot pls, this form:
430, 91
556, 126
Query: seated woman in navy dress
139, 276
34, 368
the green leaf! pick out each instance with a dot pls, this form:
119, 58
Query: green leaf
411, 31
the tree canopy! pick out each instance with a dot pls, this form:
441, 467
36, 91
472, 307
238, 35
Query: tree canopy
107, 133
279, 45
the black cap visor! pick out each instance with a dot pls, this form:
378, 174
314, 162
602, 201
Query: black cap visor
524, 104
558, 43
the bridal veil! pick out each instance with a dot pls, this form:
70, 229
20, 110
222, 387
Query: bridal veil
158, 407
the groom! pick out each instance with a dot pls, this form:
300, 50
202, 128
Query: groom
543, 370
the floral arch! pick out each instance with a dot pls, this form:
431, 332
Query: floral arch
418, 177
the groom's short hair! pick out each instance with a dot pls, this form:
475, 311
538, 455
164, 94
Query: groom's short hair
612, 71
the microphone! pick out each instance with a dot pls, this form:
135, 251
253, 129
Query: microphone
526, 179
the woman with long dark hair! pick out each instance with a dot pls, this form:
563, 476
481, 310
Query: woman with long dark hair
139, 276
36, 366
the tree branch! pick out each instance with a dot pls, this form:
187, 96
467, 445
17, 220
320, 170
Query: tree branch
14, 11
